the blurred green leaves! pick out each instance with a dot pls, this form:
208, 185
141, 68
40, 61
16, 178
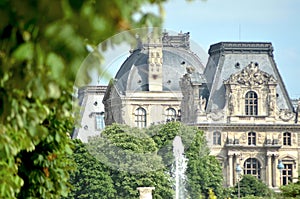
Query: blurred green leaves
42, 44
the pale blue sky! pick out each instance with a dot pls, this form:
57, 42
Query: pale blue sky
276, 21
213, 21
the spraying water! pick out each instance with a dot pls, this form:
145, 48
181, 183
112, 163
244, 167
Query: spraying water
180, 167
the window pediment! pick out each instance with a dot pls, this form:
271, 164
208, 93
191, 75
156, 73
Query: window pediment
251, 75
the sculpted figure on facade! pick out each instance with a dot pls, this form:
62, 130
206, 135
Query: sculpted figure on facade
231, 103
202, 104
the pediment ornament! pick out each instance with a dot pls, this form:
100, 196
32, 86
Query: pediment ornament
286, 115
216, 115
251, 75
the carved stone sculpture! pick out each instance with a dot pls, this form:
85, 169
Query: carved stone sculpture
251, 76
145, 192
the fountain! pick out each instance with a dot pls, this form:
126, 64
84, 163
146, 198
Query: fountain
179, 168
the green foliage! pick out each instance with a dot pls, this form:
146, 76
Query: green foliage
203, 171
130, 154
251, 186
164, 134
291, 190
131, 157
126, 149
42, 43
211, 194
45, 169
91, 178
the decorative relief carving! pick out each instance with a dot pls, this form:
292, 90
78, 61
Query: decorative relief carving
216, 115
251, 76
260, 138
243, 139
286, 115
224, 137
271, 102
190, 69
231, 103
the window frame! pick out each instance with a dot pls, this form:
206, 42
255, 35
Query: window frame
252, 138
251, 103
99, 121
287, 139
216, 138
170, 114
252, 167
140, 115
287, 173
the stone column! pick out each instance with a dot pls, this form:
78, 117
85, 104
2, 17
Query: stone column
269, 171
145, 192
275, 176
230, 166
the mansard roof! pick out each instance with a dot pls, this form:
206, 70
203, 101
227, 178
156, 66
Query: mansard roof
177, 55
227, 58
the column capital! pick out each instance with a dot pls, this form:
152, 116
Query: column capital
232, 153
270, 154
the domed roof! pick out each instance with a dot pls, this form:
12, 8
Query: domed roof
133, 74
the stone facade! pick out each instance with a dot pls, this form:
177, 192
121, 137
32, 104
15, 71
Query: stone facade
91, 120
248, 118
238, 99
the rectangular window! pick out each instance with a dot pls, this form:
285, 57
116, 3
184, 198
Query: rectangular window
287, 173
217, 138
100, 124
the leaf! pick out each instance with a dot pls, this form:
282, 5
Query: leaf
24, 52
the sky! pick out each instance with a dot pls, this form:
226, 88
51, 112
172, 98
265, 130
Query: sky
213, 21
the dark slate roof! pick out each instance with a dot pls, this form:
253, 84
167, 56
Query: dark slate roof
227, 58
133, 74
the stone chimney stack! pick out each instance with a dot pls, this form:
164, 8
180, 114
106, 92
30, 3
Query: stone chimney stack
155, 62
145, 192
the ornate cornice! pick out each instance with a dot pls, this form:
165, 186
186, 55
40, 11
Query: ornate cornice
226, 126
242, 47
92, 89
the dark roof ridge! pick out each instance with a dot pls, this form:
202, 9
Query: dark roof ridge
242, 47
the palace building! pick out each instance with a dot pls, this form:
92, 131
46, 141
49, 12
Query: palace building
238, 99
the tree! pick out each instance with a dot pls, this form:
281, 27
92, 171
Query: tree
141, 157
291, 190
42, 43
203, 171
91, 178
130, 154
250, 185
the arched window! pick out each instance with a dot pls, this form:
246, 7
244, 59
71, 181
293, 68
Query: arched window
170, 114
252, 167
287, 139
216, 138
140, 117
251, 138
251, 103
